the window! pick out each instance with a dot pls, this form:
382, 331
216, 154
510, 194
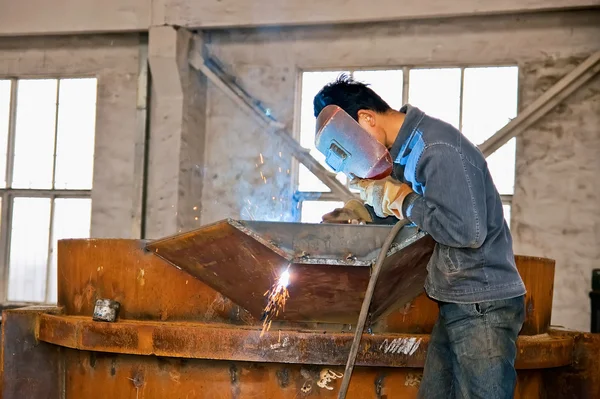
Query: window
477, 100
47, 129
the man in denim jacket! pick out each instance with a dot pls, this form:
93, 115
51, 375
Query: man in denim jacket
441, 183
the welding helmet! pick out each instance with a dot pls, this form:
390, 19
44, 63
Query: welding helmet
349, 148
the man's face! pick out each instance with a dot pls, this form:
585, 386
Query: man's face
368, 120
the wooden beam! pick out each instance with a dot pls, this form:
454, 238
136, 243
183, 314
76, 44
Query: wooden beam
544, 104
270, 125
235, 13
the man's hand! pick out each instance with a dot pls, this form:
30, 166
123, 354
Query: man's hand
385, 196
353, 212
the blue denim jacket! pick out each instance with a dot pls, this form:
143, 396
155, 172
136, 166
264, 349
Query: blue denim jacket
457, 203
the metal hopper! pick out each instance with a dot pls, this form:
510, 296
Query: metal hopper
329, 265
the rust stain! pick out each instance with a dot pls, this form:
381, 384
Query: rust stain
413, 379
89, 292
140, 279
78, 302
175, 376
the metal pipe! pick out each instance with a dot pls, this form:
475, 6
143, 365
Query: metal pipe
364, 310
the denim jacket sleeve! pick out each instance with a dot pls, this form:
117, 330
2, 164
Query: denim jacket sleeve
452, 208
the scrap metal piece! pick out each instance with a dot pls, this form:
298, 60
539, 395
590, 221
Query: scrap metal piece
106, 310
242, 260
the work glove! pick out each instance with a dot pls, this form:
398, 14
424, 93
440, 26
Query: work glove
353, 212
385, 196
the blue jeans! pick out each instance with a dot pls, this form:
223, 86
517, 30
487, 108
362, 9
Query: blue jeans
472, 351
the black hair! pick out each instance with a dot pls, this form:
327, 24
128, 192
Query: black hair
349, 95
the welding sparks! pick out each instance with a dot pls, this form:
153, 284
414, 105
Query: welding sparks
276, 298
262, 161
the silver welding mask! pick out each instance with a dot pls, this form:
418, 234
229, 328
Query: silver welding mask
348, 148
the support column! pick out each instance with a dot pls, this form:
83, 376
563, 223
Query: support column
177, 135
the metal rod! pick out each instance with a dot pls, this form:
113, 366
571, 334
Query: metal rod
364, 310
543, 104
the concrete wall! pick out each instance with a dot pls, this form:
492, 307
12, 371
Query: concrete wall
114, 61
268, 61
557, 196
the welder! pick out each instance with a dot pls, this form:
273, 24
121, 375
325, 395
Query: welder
440, 182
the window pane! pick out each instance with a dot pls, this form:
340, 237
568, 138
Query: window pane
436, 92
502, 167
506, 209
35, 126
5, 86
490, 102
388, 84
76, 127
71, 220
312, 211
29, 249
312, 82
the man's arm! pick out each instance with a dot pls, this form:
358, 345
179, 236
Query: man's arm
452, 208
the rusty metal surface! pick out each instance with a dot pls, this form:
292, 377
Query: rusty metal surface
222, 342
134, 377
329, 265
147, 287
580, 379
420, 315
150, 289
29, 368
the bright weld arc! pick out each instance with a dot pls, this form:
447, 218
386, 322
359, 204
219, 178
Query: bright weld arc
276, 298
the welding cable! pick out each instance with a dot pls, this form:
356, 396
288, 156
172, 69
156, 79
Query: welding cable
364, 310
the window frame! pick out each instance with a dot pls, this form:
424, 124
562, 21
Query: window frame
8, 194
301, 196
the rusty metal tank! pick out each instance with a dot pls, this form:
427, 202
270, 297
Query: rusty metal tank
188, 329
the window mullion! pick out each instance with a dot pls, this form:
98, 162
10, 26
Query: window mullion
506, 199
405, 84
5, 229
50, 249
461, 99
55, 133
12, 127
6, 211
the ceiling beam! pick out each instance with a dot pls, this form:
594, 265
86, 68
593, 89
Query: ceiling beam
235, 13
544, 104
63, 17
60, 17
